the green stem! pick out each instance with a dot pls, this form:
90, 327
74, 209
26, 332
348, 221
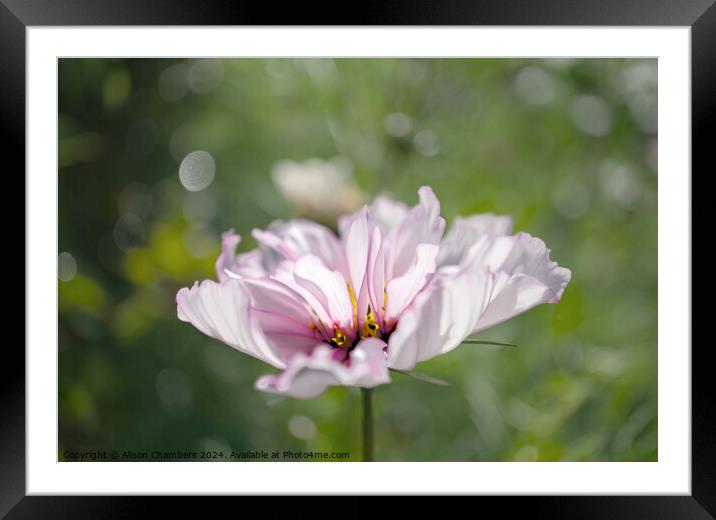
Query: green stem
367, 425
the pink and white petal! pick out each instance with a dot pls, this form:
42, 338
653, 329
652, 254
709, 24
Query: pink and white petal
439, 319
362, 302
307, 237
375, 277
356, 243
327, 287
488, 252
512, 295
310, 376
249, 265
273, 322
368, 366
283, 318
401, 291
522, 274
316, 303
387, 213
290, 344
465, 232
275, 248
487, 223
221, 311
290, 240
422, 225
518, 254
271, 295
530, 256
226, 262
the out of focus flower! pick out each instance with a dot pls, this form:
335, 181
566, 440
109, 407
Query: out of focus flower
318, 189
388, 292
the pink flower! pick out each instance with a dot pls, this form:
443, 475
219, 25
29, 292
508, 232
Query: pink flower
388, 293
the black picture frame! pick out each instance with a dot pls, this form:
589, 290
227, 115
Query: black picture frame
700, 15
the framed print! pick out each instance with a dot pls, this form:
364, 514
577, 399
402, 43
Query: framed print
391, 258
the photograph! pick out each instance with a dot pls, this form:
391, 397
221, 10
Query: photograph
445, 259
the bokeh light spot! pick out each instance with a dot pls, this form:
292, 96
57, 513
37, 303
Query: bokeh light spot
173, 83
302, 427
128, 231
619, 184
592, 115
66, 266
426, 143
398, 124
534, 86
196, 171
205, 75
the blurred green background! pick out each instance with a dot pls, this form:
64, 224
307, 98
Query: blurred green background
567, 147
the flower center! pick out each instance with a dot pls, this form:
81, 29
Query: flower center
370, 326
343, 338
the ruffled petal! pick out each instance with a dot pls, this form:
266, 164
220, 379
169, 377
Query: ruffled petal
283, 317
227, 257
290, 240
356, 242
439, 319
309, 376
222, 311
524, 278
385, 213
422, 225
499, 278
325, 290
401, 291
521, 254
231, 265
465, 232
375, 278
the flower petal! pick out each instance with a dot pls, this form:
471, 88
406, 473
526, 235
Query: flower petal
356, 243
521, 254
464, 232
513, 295
225, 262
221, 310
270, 295
328, 288
499, 278
525, 277
309, 376
231, 265
283, 317
375, 276
423, 225
290, 240
401, 291
385, 213
441, 316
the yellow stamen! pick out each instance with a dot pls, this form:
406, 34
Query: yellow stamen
370, 327
339, 339
355, 304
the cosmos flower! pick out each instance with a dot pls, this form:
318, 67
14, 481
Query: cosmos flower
388, 292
